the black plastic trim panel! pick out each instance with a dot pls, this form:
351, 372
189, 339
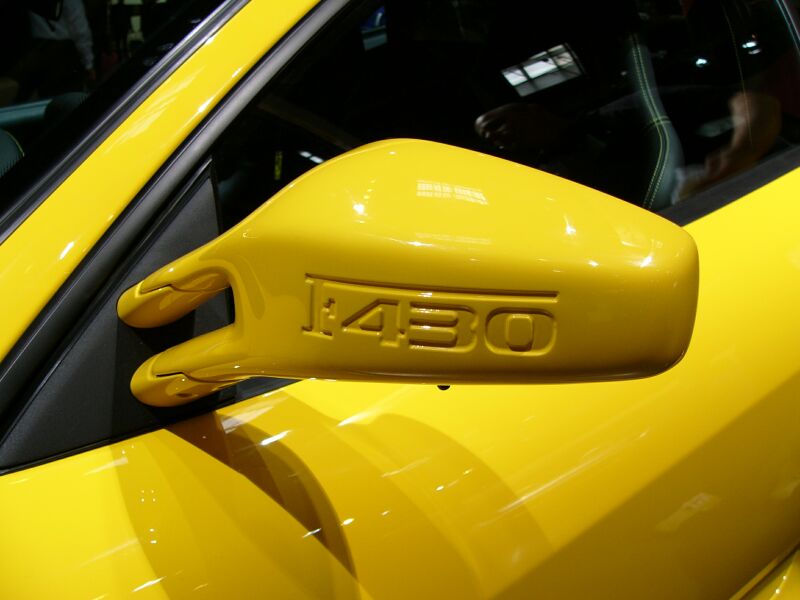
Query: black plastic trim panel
250, 388
734, 188
72, 391
113, 118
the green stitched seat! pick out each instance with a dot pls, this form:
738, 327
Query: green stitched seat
664, 155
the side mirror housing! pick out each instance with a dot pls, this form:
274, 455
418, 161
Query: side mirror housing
412, 261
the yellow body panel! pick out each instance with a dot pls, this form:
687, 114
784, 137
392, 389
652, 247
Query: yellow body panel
157, 517
682, 485
50, 244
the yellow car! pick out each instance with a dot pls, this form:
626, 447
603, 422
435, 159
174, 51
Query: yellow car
400, 299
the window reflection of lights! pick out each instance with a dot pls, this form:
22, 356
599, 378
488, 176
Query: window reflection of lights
543, 70
515, 76
752, 47
438, 189
312, 157
539, 68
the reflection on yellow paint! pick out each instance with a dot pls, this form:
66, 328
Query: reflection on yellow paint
698, 504
449, 191
459, 239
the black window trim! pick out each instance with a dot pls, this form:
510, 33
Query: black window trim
734, 188
30, 200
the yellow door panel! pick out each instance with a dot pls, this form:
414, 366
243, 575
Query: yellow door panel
682, 485
160, 516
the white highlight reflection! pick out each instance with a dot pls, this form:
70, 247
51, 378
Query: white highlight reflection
147, 584
439, 189
66, 250
275, 438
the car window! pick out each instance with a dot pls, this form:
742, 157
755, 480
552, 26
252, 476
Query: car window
65, 63
650, 101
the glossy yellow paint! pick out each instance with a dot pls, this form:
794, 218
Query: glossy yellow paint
411, 260
47, 247
156, 517
682, 485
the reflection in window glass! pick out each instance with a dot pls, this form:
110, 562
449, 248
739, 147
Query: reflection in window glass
543, 70
652, 102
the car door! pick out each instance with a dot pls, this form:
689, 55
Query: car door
677, 485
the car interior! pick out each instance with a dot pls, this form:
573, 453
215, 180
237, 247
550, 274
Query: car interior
630, 98
634, 98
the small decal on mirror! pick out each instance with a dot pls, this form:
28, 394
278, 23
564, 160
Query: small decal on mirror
436, 319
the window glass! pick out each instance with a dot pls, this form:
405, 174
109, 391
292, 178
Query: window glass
649, 100
63, 63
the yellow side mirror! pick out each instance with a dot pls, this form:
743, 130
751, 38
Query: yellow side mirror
413, 261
